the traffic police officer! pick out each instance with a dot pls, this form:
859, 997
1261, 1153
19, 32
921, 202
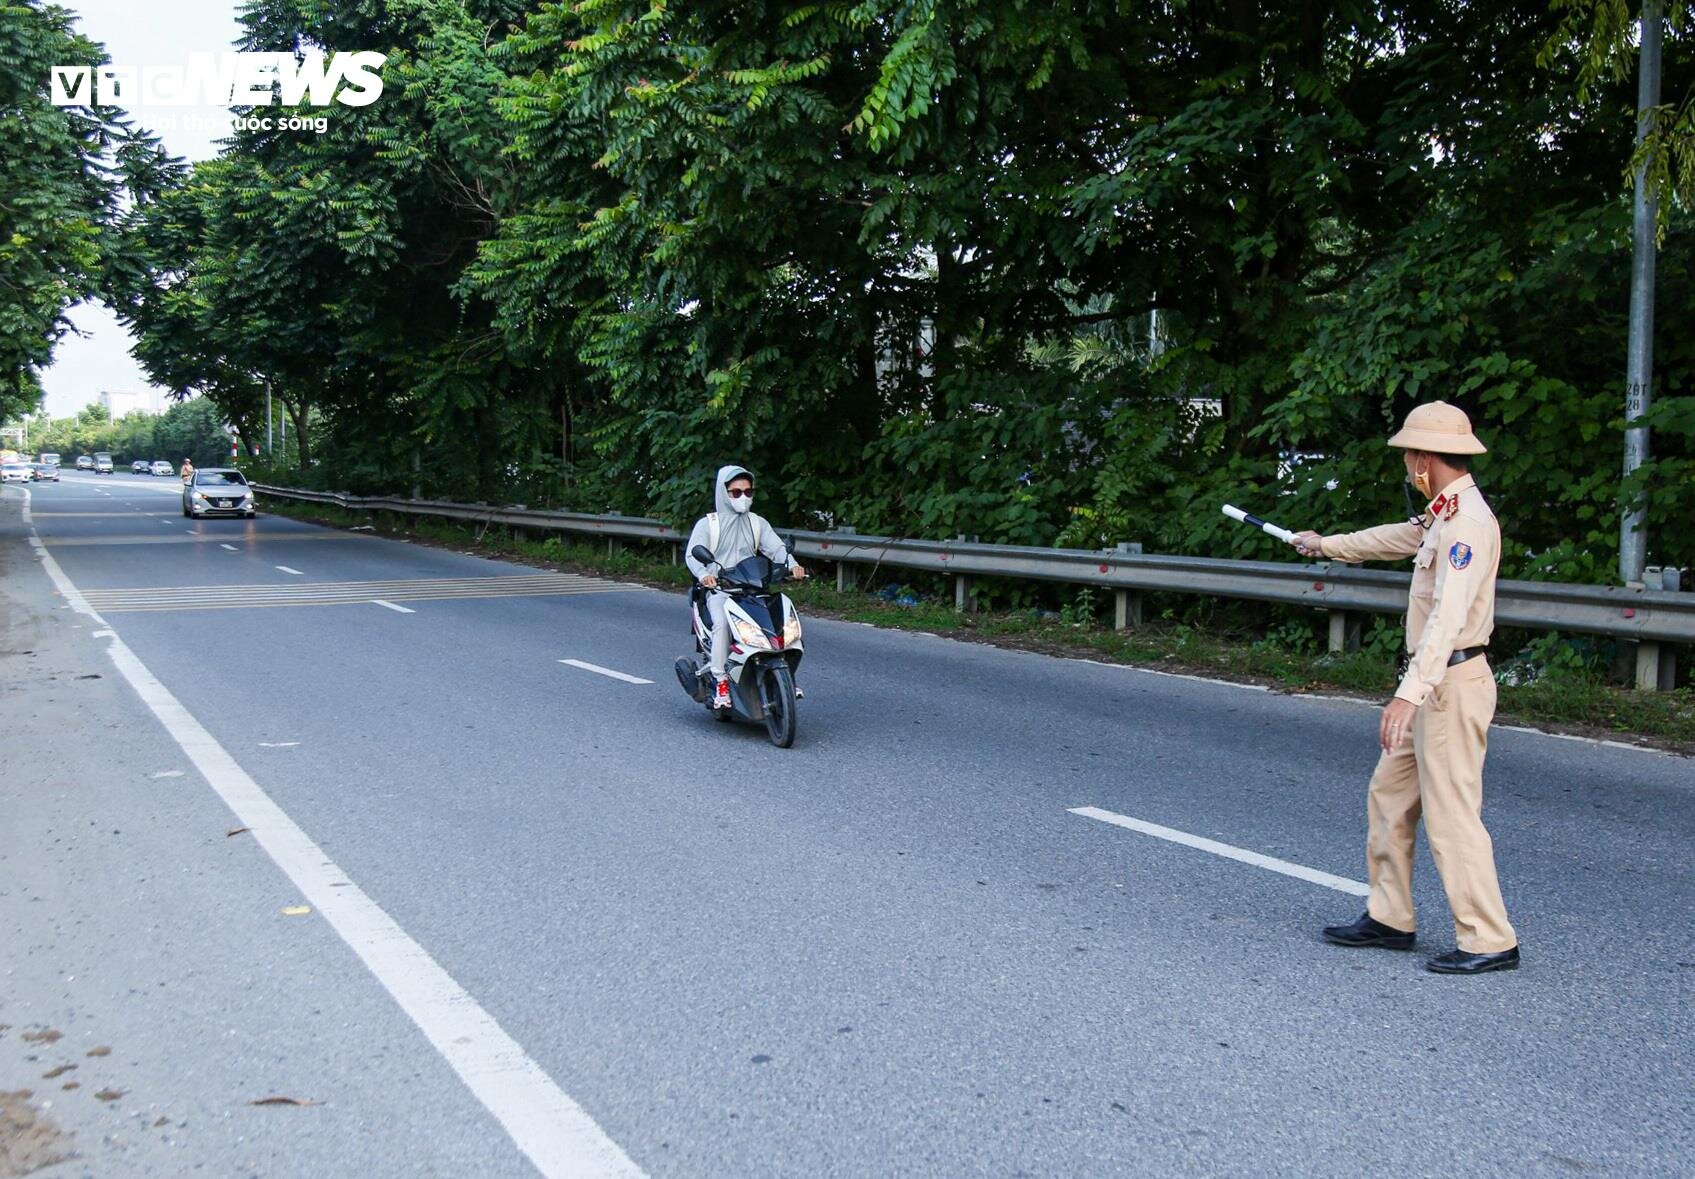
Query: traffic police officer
1434, 732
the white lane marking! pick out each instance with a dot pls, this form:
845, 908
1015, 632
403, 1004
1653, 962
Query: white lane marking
278, 744
606, 671
558, 1135
1228, 851
230, 547
165, 773
392, 606
286, 569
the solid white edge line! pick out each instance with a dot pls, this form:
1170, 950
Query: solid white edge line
556, 1133
230, 547
286, 569
1228, 851
606, 671
392, 606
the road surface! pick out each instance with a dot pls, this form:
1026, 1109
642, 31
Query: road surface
559, 921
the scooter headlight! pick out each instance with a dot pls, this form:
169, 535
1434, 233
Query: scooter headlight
791, 629
747, 634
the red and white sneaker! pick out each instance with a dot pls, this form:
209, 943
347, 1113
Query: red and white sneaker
721, 694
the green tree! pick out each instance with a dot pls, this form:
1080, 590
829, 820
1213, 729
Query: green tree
61, 172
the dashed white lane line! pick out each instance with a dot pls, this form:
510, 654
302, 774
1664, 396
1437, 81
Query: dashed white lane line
392, 606
606, 671
557, 1134
1228, 851
286, 569
230, 547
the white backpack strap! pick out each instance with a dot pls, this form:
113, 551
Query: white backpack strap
713, 531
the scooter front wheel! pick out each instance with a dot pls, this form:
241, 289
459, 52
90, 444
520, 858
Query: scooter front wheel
779, 686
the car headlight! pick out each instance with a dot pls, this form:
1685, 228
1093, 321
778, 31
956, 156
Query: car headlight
747, 634
791, 629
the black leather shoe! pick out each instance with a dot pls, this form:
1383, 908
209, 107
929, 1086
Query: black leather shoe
1460, 962
1370, 932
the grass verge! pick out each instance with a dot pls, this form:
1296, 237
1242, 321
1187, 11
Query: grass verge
1586, 707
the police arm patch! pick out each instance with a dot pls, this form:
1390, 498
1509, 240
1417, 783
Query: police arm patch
1460, 555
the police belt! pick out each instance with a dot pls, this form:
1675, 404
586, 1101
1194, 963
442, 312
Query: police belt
1459, 656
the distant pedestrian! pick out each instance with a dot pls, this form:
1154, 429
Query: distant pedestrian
1435, 731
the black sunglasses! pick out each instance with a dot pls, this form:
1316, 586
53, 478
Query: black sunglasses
738, 492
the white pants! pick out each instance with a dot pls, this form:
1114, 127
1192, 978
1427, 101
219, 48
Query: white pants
718, 657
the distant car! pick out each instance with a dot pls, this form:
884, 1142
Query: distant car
139, 467
85, 462
102, 463
47, 472
217, 491
15, 473
161, 467
48, 456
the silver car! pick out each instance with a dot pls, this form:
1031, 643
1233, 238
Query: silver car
46, 472
16, 473
217, 491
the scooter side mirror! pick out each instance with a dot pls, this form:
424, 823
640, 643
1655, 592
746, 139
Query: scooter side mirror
702, 554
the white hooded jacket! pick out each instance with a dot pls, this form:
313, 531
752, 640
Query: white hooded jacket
740, 534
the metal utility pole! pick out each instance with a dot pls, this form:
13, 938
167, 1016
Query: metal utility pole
1639, 373
270, 441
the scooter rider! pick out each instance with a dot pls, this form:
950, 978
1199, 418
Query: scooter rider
732, 534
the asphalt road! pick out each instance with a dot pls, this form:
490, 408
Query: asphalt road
891, 950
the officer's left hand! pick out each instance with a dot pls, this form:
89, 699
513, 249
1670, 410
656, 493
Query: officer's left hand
1396, 726
796, 572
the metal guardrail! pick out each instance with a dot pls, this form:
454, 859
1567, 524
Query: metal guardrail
1647, 616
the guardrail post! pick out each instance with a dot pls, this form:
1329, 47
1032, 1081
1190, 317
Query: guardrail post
1672, 579
1345, 627
1127, 604
963, 584
613, 544
847, 573
1650, 669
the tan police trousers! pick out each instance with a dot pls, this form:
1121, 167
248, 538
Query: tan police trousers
1440, 775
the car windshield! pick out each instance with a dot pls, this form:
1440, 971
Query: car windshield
217, 478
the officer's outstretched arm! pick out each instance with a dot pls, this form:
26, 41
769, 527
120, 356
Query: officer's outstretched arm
1386, 542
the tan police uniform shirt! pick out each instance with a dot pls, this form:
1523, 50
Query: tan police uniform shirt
1456, 552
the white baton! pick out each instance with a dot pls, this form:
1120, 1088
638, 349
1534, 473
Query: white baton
1282, 534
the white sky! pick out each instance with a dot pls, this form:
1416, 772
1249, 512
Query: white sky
138, 33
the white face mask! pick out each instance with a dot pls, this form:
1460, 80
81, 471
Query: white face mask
741, 503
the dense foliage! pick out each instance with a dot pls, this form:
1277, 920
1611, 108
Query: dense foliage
61, 172
1037, 272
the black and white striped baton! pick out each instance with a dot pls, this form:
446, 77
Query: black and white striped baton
1282, 534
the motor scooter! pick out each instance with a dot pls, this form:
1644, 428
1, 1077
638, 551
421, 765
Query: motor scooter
765, 646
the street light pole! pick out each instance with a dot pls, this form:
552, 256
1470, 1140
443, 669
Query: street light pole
1639, 372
